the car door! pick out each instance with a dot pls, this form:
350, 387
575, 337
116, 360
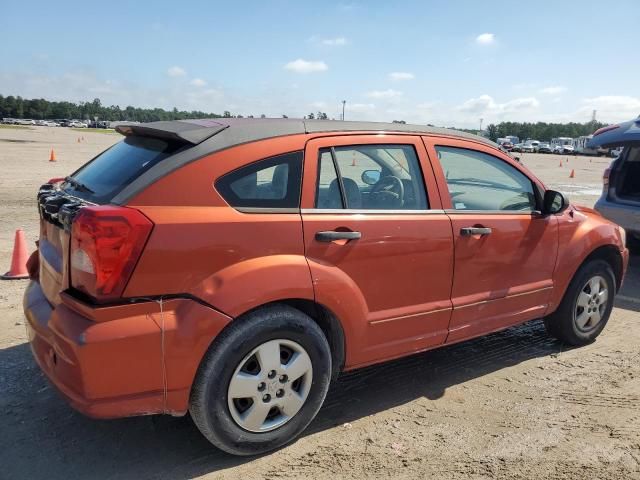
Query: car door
381, 260
505, 250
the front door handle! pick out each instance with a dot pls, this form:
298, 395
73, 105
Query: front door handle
468, 231
332, 235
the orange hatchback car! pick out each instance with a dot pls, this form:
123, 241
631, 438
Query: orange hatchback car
231, 268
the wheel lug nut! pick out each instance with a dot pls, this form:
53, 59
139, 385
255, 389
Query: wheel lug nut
279, 393
283, 378
266, 398
272, 374
261, 386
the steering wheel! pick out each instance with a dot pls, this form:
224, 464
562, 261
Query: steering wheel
388, 192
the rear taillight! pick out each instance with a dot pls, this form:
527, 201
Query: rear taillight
106, 242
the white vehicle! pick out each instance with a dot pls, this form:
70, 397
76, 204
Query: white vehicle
564, 149
615, 152
77, 124
560, 142
534, 144
527, 148
25, 121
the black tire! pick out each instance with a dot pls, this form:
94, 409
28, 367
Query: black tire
208, 404
562, 325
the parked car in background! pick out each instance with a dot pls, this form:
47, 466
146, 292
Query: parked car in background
506, 146
77, 124
560, 142
189, 268
526, 148
517, 147
25, 121
564, 149
544, 148
615, 151
620, 199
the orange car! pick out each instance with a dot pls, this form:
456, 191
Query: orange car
231, 268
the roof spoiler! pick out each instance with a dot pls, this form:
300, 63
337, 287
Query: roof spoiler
616, 135
190, 132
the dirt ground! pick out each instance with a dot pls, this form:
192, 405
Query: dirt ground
512, 405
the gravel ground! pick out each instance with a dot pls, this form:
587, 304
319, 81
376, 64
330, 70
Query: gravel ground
512, 405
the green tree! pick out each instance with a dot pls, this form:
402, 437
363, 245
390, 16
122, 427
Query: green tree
492, 132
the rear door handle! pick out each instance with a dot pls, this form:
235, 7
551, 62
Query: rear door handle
332, 235
468, 231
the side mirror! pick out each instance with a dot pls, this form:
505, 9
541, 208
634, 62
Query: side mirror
554, 202
370, 177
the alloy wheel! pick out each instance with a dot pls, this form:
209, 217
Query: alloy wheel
591, 304
270, 385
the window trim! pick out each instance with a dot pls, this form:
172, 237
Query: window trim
343, 195
535, 187
297, 162
362, 211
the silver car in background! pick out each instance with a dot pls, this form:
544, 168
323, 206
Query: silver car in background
620, 199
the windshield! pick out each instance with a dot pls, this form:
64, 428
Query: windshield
102, 178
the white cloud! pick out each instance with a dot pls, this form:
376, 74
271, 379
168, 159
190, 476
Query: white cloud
554, 90
334, 42
611, 108
485, 39
198, 82
487, 106
401, 76
176, 71
306, 66
389, 93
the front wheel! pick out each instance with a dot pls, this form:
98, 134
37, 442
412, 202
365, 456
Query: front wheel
586, 306
262, 381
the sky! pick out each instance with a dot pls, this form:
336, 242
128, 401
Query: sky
447, 63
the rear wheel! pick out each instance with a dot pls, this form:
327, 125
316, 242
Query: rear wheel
586, 306
262, 381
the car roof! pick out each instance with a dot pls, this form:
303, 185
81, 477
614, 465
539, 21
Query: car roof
228, 132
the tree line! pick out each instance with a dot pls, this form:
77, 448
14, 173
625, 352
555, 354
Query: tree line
41, 109
541, 130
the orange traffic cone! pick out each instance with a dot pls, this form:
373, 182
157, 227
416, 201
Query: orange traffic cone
52, 156
19, 259
572, 174
560, 164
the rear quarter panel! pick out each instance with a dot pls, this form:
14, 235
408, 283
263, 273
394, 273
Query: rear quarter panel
202, 247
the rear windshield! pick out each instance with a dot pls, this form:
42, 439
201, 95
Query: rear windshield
108, 173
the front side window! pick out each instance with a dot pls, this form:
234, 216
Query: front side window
370, 177
478, 181
271, 183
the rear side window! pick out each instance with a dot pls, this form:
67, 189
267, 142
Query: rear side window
107, 174
271, 183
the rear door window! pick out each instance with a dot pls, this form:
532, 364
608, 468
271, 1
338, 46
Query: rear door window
370, 177
273, 183
107, 174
